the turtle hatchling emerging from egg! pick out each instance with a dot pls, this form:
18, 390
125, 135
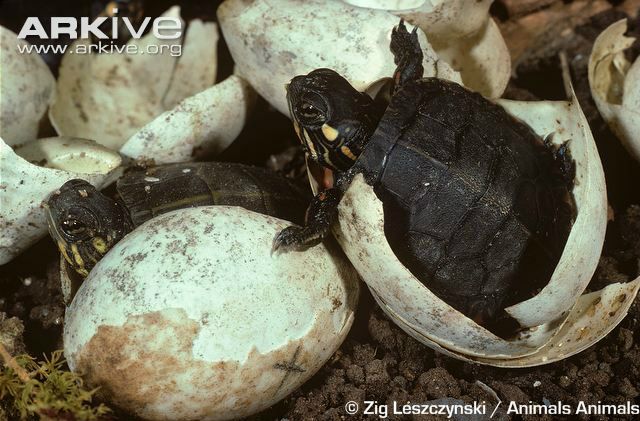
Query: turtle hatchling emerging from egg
86, 224
473, 199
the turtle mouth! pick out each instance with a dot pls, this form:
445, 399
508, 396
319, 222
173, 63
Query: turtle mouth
78, 251
321, 175
63, 245
53, 227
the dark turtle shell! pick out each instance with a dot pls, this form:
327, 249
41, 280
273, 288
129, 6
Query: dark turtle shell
145, 193
475, 203
153, 191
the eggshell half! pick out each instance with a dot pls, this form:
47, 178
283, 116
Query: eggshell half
110, 96
409, 302
26, 89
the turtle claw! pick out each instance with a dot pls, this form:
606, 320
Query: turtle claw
286, 240
294, 238
403, 42
407, 54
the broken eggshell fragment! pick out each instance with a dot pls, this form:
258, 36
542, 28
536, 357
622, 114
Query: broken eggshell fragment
110, 96
30, 173
444, 18
425, 316
273, 41
631, 96
615, 85
206, 122
462, 33
26, 89
191, 317
592, 318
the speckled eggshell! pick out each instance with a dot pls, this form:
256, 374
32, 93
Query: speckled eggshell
26, 89
191, 317
272, 41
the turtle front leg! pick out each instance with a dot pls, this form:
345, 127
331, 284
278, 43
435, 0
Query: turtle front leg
407, 55
322, 212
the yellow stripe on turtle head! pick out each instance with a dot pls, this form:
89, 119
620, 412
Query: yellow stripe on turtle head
77, 258
329, 132
310, 145
347, 152
77, 262
296, 127
63, 250
100, 245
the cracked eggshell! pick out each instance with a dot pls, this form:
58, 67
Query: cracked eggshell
423, 315
631, 95
272, 41
109, 97
615, 85
443, 18
191, 317
24, 185
592, 318
208, 121
26, 90
482, 59
462, 33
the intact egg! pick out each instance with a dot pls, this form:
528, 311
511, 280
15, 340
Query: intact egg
190, 316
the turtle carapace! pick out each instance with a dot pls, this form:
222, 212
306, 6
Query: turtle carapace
86, 224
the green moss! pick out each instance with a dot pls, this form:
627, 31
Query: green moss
46, 390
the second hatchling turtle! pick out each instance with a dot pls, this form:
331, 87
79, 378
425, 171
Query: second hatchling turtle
85, 223
472, 196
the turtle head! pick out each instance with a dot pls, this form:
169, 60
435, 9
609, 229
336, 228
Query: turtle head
332, 119
85, 223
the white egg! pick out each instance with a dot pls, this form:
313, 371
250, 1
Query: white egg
191, 317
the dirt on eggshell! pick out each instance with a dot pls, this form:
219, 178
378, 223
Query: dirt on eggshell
378, 361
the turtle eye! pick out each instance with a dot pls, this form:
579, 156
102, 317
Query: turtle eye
309, 112
311, 109
73, 227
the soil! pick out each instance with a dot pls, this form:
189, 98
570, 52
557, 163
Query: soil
378, 361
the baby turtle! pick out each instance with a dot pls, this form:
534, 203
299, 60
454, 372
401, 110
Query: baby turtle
86, 224
473, 199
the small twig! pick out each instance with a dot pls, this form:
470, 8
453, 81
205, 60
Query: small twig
10, 362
